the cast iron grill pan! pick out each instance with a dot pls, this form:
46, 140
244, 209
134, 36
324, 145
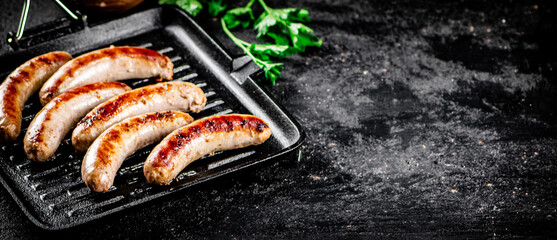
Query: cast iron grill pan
53, 195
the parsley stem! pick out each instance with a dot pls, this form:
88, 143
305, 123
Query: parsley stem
265, 7
250, 3
234, 39
240, 43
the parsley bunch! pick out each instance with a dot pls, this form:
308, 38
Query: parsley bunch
284, 27
193, 7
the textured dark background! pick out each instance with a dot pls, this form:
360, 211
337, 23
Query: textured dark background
425, 119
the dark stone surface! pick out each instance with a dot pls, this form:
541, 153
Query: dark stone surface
425, 119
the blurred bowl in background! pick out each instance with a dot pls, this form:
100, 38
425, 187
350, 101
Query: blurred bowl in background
108, 6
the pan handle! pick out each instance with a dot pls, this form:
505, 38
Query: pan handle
13, 38
242, 68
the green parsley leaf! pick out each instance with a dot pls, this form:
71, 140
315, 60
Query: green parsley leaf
271, 69
265, 51
301, 37
238, 16
279, 25
279, 38
193, 7
293, 14
216, 7
263, 24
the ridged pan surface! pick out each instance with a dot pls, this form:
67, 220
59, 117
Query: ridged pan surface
53, 195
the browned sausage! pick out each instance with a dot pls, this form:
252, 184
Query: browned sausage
153, 98
59, 116
105, 65
105, 156
20, 85
202, 137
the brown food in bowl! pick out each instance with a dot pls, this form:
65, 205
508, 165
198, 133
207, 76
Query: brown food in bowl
108, 6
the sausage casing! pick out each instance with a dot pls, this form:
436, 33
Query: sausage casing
105, 65
202, 137
108, 152
20, 85
59, 116
158, 97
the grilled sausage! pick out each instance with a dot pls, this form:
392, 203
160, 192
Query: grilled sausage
202, 137
59, 116
106, 154
153, 98
105, 65
20, 85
